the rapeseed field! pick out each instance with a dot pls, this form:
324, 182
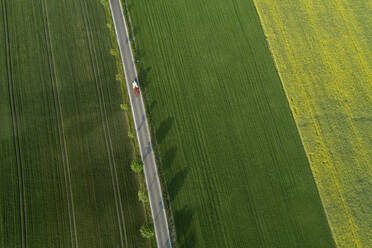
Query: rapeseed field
323, 53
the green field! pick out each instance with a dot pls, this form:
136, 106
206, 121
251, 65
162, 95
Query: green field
230, 154
64, 152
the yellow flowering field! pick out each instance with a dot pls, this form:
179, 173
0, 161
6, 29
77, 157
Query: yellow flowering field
323, 53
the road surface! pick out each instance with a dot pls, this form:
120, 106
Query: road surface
143, 133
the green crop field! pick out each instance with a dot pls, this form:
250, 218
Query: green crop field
230, 154
64, 152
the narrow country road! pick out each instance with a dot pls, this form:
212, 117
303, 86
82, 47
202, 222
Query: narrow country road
143, 133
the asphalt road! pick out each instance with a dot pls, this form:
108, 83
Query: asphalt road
143, 133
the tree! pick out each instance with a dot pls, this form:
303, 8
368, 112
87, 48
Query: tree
119, 77
142, 196
114, 52
131, 134
137, 166
124, 107
104, 2
147, 230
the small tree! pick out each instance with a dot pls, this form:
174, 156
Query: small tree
137, 166
113, 52
142, 196
147, 230
124, 107
104, 2
119, 77
131, 134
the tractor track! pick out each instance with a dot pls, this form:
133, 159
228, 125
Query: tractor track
9, 69
105, 126
60, 126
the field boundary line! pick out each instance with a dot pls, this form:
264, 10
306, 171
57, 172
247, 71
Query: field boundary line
15, 129
106, 130
328, 164
60, 125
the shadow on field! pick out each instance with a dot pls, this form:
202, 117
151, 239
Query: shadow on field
169, 157
134, 30
129, 6
163, 129
143, 73
185, 235
176, 183
140, 53
151, 106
